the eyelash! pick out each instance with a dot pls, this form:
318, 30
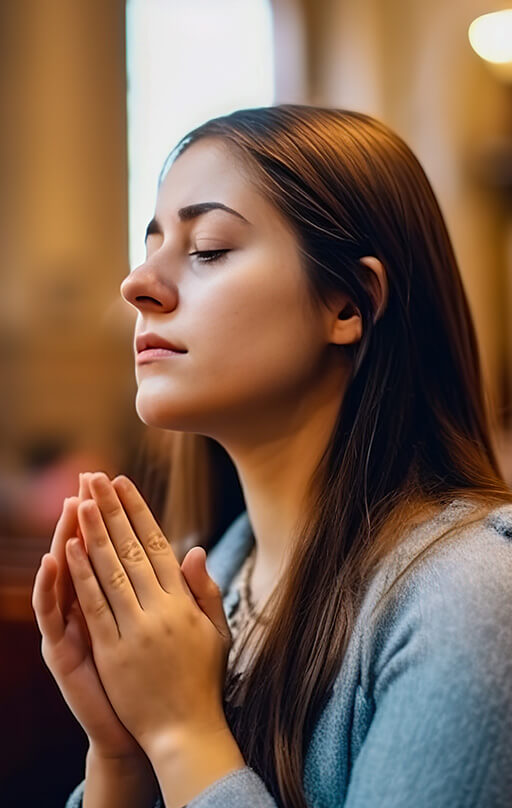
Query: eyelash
214, 255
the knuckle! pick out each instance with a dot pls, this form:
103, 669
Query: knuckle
168, 629
157, 542
99, 607
192, 618
111, 509
118, 579
142, 636
86, 509
83, 574
139, 508
124, 661
130, 550
100, 539
146, 641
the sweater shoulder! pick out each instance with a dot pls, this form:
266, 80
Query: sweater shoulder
444, 592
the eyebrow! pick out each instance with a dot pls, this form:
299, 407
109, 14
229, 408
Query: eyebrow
192, 212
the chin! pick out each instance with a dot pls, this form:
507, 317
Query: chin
161, 415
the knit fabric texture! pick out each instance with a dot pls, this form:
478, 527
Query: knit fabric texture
420, 713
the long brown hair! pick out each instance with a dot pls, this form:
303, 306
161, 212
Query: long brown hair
413, 432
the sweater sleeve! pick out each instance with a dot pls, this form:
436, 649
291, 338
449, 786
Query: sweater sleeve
440, 683
75, 799
242, 787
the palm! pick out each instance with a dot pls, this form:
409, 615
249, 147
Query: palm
66, 649
74, 658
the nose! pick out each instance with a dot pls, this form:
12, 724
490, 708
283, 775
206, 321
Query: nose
146, 290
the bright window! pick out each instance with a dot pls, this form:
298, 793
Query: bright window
187, 61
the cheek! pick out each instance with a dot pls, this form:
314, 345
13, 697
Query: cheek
260, 343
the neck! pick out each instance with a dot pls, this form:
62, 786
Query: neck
275, 471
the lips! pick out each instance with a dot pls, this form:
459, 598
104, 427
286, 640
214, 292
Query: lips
146, 341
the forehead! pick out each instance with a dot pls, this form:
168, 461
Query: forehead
206, 171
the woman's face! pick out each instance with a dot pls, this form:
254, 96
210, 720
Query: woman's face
253, 344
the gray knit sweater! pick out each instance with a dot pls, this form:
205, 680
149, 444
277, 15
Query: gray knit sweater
420, 715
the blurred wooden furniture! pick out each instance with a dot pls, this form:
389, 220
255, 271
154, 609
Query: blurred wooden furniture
42, 746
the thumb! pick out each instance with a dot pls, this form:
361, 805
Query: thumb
206, 592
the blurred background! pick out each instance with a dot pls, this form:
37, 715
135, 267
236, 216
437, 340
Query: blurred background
94, 95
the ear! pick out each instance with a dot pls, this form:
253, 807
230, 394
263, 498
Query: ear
379, 289
348, 325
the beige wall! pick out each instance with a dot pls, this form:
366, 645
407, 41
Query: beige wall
64, 232
410, 63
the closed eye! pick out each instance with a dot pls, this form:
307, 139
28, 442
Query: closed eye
205, 256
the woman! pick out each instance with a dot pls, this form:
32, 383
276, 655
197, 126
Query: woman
300, 265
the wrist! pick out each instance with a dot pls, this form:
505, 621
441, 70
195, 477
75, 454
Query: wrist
132, 762
174, 745
188, 762
119, 781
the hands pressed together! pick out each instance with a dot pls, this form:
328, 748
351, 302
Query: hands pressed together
137, 643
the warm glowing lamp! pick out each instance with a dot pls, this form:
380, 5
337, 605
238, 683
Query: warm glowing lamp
491, 38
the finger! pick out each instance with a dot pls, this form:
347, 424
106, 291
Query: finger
96, 610
65, 528
133, 549
85, 487
150, 535
107, 567
84, 492
63, 521
44, 602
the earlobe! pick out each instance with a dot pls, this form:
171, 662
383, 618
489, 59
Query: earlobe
380, 289
349, 330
